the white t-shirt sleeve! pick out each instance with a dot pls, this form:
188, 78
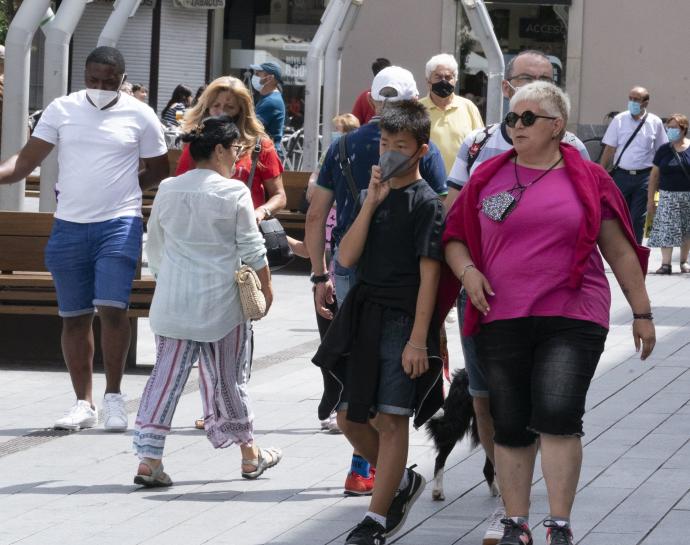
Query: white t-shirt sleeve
459, 174
152, 141
49, 124
611, 135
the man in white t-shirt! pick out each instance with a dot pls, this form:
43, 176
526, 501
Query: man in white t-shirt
94, 248
632, 156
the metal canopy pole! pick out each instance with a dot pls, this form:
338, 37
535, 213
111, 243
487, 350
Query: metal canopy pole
333, 67
115, 26
484, 30
17, 68
312, 90
55, 69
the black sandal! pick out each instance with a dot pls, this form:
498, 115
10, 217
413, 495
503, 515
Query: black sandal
664, 269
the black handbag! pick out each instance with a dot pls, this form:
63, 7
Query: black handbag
278, 250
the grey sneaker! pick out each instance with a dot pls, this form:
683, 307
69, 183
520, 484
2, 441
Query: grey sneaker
80, 416
399, 509
515, 534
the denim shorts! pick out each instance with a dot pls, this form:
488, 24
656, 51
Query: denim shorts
343, 278
538, 370
478, 387
396, 390
93, 264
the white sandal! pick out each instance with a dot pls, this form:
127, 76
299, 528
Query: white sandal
157, 479
268, 457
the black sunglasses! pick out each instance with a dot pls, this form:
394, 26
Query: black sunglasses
528, 118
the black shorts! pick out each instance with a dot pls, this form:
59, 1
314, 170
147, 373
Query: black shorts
538, 371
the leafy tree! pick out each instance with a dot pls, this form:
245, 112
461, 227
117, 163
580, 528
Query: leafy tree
7, 10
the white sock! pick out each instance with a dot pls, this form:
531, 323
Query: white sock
405, 481
378, 518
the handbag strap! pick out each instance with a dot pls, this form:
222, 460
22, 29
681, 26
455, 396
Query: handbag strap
255, 159
632, 137
680, 161
346, 166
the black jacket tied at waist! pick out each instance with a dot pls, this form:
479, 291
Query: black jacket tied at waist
350, 350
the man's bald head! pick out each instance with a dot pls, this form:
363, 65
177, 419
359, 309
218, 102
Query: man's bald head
639, 94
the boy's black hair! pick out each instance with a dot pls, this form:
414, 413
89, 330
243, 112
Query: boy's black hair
212, 131
379, 64
107, 55
407, 115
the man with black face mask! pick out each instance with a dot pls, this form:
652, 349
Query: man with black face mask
452, 117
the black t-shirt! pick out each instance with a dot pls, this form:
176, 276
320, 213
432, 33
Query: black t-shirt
671, 176
407, 225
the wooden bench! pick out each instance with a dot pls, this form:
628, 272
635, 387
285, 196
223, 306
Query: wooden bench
29, 322
291, 218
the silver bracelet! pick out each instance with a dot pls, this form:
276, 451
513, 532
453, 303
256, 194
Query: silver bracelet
464, 270
416, 347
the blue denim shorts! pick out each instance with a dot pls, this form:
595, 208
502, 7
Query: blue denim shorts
343, 280
93, 264
396, 390
478, 386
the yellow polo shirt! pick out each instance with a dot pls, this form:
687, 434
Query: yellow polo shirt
449, 127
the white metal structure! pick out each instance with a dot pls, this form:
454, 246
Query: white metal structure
333, 67
122, 11
484, 30
55, 75
312, 89
17, 62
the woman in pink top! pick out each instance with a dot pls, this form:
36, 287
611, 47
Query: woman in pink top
523, 240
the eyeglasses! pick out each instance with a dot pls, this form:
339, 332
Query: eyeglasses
526, 79
528, 118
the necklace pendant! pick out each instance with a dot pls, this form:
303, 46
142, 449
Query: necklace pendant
497, 207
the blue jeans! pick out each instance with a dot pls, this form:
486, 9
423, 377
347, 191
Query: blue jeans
344, 279
634, 189
93, 264
538, 370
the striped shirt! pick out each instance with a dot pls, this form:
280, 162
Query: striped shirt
497, 143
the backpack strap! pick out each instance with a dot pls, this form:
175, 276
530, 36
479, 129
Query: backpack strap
480, 140
255, 159
632, 137
346, 166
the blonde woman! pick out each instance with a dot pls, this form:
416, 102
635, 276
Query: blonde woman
229, 96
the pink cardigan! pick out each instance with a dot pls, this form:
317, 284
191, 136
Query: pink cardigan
593, 186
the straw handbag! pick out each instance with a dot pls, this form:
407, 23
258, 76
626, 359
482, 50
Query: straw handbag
251, 297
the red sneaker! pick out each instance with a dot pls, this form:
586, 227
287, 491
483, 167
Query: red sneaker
356, 485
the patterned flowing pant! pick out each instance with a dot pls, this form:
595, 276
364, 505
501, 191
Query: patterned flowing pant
224, 368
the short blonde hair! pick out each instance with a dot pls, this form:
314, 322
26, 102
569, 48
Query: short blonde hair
249, 126
348, 122
550, 98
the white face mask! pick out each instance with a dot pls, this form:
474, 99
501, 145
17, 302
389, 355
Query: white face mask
101, 98
256, 83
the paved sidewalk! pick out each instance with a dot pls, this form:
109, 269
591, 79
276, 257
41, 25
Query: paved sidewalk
62, 488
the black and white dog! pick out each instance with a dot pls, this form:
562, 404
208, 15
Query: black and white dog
446, 429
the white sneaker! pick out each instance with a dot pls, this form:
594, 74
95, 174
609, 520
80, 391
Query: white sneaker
80, 416
333, 424
494, 532
452, 318
114, 412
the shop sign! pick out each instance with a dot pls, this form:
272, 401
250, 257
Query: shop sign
295, 70
539, 29
201, 4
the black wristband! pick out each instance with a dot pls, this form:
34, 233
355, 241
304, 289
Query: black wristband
646, 316
319, 278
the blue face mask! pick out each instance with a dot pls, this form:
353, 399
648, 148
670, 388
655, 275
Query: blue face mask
635, 108
673, 133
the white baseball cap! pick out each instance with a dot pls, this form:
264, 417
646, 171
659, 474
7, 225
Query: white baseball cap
398, 83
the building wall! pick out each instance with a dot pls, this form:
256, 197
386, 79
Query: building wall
634, 45
400, 31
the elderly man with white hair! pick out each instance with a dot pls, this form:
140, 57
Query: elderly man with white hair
452, 117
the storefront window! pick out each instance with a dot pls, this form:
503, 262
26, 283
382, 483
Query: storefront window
518, 26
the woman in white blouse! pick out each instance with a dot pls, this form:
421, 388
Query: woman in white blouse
201, 228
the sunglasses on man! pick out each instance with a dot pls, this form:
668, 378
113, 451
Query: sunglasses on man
528, 118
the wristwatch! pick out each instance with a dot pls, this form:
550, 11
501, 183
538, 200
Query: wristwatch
319, 278
267, 211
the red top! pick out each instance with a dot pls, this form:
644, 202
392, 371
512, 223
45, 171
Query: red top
595, 190
268, 167
362, 110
